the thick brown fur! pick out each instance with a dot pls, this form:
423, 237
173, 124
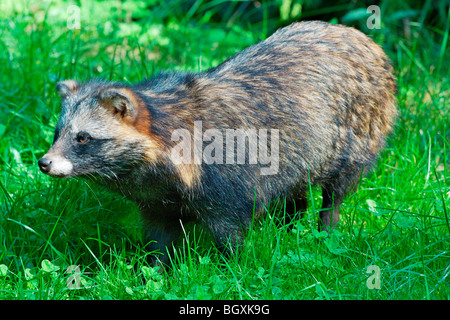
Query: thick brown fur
328, 89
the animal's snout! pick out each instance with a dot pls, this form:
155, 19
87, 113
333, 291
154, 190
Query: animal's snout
55, 165
45, 164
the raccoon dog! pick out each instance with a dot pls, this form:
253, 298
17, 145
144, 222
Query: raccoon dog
313, 103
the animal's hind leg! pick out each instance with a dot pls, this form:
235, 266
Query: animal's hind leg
298, 204
329, 215
333, 193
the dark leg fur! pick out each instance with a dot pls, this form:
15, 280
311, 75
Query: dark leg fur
329, 216
299, 204
162, 233
333, 195
228, 233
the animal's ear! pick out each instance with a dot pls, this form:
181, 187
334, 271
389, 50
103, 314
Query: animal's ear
67, 87
119, 101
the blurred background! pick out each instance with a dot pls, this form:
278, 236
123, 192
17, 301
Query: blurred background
197, 34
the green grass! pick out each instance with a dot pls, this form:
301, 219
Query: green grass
397, 220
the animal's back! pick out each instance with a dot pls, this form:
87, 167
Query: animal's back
329, 89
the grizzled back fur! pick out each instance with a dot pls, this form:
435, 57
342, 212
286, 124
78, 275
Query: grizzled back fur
327, 89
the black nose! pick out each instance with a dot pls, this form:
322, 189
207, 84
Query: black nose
45, 164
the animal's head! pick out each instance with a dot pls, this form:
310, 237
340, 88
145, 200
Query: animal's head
103, 129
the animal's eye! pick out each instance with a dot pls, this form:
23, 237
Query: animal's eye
83, 137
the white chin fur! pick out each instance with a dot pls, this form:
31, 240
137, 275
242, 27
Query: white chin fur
61, 167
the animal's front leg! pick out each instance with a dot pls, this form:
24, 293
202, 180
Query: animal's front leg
162, 232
